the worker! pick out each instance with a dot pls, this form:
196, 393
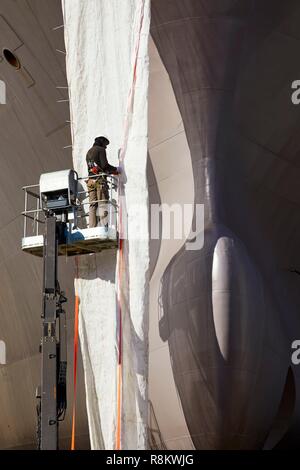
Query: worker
97, 186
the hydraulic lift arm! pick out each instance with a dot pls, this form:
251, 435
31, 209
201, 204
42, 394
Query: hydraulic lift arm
60, 200
52, 393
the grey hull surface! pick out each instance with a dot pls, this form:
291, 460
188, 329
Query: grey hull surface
231, 310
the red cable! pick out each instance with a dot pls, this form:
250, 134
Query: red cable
121, 242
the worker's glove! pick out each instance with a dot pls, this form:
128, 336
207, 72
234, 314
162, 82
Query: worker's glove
118, 171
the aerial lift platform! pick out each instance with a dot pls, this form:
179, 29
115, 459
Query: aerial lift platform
57, 211
55, 190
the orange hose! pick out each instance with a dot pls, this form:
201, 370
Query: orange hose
76, 343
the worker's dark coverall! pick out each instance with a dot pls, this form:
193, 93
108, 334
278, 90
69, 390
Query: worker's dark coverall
97, 187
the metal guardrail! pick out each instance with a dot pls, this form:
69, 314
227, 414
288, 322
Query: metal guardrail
33, 205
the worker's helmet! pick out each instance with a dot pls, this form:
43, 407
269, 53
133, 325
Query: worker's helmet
102, 141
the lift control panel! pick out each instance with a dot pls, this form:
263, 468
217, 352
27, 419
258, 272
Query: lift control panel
58, 190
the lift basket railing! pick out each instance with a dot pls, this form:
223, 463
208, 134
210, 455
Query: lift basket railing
34, 212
